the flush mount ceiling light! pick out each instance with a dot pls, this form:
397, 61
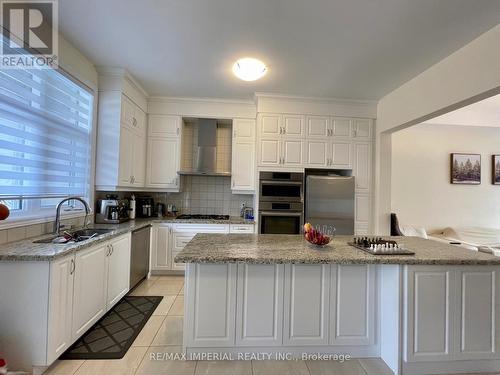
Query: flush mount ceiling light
249, 69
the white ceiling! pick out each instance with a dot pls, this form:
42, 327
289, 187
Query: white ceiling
483, 113
358, 49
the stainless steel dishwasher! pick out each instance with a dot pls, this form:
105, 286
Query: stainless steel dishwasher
139, 258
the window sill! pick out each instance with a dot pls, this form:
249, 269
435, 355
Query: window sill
22, 221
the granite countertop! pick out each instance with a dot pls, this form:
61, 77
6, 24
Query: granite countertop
26, 250
272, 249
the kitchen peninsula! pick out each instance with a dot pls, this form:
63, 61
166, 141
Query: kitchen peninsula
432, 312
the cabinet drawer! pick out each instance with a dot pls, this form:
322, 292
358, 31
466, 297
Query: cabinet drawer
181, 240
202, 228
241, 228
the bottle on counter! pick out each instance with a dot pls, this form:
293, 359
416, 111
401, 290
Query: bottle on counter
132, 207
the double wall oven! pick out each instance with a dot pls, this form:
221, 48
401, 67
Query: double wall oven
281, 202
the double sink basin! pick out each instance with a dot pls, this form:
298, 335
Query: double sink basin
76, 236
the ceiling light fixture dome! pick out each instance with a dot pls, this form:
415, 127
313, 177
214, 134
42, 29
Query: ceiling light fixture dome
249, 69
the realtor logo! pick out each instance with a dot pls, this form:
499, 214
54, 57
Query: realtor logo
29, 34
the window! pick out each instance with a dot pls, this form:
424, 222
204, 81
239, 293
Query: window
45, 140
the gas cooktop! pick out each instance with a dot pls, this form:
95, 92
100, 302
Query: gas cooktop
203, 217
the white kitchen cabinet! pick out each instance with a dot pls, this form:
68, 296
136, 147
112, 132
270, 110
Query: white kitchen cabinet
164, 126
317, 153
341, 127
242, 228
430, 298
259, 305
292, 152
306, 319
211, 292
60, 306
341, 155
270, 125
362, 208
90, 288
478, 290
118, 263
270, 152
243, 157
352, 304
121, 134
161, 250
293, 126
318, 127
163, 163
362, 129
362, 166
179, 241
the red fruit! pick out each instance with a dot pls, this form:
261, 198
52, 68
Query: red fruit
4, 212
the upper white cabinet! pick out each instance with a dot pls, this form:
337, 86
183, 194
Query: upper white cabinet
362, 168
121, 133
163, 152
294, 141
243, 156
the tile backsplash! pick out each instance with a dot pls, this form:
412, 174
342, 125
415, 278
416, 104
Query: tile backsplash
205, 195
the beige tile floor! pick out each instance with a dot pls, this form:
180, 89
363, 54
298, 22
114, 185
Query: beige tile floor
163, 334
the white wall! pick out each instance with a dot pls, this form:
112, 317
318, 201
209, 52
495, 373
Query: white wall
468, 75
76, 64
421, 191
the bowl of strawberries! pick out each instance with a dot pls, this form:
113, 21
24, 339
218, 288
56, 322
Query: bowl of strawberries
317, 237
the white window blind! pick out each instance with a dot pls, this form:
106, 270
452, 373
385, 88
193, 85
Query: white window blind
45, 135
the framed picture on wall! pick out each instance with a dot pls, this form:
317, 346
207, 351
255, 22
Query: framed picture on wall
495, 169
465, 169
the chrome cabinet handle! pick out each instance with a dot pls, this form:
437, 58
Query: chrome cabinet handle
177, 131
284, 130
72, 267
112, 249
107, 252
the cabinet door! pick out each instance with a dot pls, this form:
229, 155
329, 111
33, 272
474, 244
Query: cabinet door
60, 306
317, 153
293, 153
362, 129
318, 127
269, 153
341, 155
341, 127
429, 297
179, 241
127, 112
243, 165
259, 305
139, 162
118, 270
270, 126
306, 310
161, 258
90, 288
362, 166
126, 156
362, 209
164, 126
352, 305
163, 163
211, 305
478, 288
293, 126
244, 129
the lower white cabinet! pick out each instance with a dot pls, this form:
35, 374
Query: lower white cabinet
259, 305
281, 305
451, 313
242, 228
170, 239
306, 304
89, 295
352, 304
60, 306
118, 267
212, 300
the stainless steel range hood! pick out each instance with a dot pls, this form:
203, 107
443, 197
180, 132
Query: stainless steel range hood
205, 162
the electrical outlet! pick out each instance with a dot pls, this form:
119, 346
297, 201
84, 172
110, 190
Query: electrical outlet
242, 205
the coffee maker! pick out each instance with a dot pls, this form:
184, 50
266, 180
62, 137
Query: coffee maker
145, 207
111, 210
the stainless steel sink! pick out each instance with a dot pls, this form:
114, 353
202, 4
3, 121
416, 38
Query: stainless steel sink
78, 235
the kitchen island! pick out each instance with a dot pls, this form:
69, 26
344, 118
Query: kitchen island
432, 312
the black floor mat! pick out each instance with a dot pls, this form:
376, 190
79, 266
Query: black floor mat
115, 332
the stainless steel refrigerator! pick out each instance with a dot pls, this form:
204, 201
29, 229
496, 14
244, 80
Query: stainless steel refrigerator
330, 201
